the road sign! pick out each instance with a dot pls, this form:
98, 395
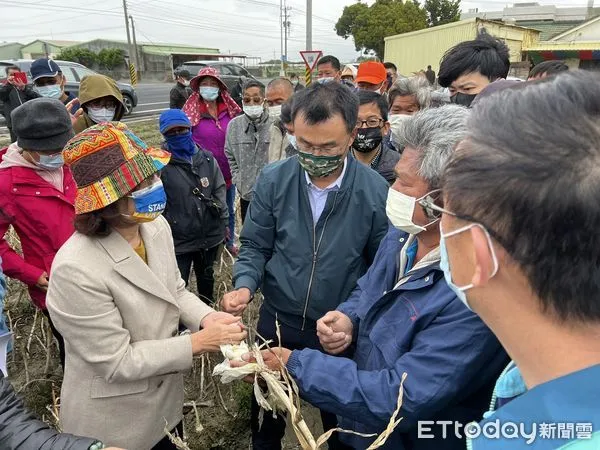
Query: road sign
311, 57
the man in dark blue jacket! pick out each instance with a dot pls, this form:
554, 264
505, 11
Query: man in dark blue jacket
533, 269
312, 230
403, 318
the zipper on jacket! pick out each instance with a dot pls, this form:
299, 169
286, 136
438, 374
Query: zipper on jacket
492, 401
316, 247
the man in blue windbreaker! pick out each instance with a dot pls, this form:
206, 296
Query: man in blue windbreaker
403, 318
520, 225
312, 230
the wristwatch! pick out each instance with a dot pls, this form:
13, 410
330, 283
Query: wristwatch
97, 445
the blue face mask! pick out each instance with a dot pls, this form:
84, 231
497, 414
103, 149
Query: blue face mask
445, 261
149, 202
209, 93
181, 146
293, 141
52, 162
52, 91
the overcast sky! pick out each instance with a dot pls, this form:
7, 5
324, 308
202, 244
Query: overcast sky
238, 26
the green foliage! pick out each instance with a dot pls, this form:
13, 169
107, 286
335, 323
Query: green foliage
242, 395
366, 58
369, 25
78, 55
110, 58
441, 12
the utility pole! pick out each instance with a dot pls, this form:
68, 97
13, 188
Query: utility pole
286, 27
138, 66
308, 25
282, 70
131, 66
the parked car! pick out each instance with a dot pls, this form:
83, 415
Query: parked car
73, 72
229, 72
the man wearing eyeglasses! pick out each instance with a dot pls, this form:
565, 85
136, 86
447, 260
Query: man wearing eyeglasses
370, 147
404, 318
312, 230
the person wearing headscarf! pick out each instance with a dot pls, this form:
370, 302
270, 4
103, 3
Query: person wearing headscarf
196, 206
210, 108
117, 297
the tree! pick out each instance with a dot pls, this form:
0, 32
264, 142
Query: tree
78, 55
110, 58
369, 25
441, 12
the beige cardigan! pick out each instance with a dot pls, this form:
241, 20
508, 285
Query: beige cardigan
119, 317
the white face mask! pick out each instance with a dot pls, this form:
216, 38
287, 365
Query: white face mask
397, 122
100, 115
253, 112
325, 80
275, 111
186, 83
400, 209
398, 119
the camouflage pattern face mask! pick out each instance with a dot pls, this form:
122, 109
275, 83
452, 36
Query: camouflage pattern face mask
320, 166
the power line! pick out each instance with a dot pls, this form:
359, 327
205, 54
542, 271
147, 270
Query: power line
62, 8
221, 28
143, 7
61, 19
68, 32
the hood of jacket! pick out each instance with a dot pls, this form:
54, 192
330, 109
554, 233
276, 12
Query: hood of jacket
13, 158
94, 87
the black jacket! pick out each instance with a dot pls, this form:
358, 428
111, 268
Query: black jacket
20, 430
12, 98
179, 95
387, 163
196, 202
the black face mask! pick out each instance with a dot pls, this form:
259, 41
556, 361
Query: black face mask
463, 99
367, 139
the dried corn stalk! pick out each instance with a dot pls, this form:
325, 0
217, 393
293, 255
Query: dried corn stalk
282, 395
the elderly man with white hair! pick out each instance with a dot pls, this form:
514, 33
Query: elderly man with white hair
404, 318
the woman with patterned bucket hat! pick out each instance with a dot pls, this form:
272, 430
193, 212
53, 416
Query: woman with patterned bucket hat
117, 297
210, 108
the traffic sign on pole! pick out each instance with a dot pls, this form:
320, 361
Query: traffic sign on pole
311, 57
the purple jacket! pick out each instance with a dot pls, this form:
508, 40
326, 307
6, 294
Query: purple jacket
209, 134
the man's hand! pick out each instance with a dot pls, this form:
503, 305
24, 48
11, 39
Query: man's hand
42, 282
219, 317
334, 330
275, 359
77, 114
235, 302
16, 83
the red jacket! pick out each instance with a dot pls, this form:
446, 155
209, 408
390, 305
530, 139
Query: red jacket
43, 219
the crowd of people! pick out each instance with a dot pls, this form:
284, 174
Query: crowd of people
399, 236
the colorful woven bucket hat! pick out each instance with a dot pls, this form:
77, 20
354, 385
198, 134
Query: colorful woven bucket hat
108, 161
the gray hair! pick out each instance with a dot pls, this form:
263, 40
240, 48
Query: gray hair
434, 133
417, 86
251, 83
